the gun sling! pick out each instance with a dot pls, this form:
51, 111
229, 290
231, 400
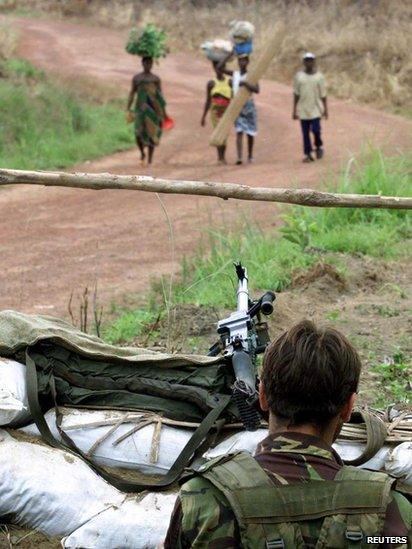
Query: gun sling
171, 476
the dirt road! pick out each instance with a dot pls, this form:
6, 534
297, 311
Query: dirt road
55, 241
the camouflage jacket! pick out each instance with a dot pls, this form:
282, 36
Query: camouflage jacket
203, 517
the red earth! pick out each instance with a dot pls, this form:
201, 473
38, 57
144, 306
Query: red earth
56, 241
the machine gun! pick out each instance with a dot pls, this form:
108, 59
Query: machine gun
242, 337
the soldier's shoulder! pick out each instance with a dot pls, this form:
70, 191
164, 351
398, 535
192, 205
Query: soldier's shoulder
201, 489
207, 516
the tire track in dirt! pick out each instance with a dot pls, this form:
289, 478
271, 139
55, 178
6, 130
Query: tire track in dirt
55, 241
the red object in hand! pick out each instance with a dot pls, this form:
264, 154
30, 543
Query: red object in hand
168, 123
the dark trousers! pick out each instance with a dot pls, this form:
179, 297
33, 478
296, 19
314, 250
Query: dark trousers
314, 127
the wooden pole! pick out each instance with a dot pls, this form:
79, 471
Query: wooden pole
101, 181
255, 73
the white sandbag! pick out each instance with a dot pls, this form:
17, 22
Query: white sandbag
132, 453
241, 31
244, 440
48, 489
13, 395
349, 450
399, 462
216, 50
132, 525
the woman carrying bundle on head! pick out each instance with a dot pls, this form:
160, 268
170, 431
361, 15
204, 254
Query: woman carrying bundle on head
218, 95
149, 110
246, 123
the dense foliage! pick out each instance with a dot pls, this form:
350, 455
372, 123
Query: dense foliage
147, 42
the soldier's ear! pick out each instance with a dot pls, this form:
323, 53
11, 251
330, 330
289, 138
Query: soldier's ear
262, 398
346, 411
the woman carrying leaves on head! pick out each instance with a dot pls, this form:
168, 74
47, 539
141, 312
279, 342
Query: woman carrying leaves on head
149, 110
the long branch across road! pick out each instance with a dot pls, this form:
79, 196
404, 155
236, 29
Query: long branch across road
101, 181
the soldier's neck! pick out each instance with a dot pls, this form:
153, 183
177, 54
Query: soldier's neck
327, 433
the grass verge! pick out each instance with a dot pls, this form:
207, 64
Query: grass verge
44, 125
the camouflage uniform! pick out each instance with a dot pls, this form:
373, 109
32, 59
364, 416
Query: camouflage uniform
204, 518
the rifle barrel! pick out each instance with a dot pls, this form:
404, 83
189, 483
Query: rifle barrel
243, 294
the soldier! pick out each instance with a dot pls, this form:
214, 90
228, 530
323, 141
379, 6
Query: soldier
295, 492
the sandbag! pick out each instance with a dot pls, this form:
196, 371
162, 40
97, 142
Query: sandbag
241, 31
13, 395
50, 490
349, 450
399, 463
132, 525
216, 50
134, 452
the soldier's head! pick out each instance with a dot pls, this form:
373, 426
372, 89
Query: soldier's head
310, 377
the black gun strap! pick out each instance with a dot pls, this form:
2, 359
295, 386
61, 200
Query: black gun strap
171, 476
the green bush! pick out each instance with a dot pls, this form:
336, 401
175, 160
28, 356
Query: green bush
147, 42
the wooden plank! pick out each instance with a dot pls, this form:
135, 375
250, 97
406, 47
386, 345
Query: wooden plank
101, 181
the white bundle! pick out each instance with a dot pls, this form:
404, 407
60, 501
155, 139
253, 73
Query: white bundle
241, 31
95, 428
13, 395
132, 525
49, 489
399, 463
216, 50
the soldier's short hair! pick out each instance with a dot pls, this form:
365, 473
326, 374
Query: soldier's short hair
309, 373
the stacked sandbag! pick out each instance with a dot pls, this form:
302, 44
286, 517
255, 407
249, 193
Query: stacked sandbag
131, 525
13, 394
55, 492
216, 50
50, 490
120, 447
145, 451
399, 463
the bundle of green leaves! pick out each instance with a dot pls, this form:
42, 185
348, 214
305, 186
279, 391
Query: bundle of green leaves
147, 42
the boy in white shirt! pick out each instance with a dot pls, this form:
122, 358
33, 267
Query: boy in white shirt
309, 105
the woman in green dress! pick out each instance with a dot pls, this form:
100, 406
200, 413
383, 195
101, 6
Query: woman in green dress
148, 111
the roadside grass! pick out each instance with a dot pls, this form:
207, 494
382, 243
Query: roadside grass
128, 325
307, 236
394, 373
44, 125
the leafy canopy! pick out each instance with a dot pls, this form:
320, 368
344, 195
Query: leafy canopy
147, 42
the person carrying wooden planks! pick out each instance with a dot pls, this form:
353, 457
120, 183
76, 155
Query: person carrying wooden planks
246, 122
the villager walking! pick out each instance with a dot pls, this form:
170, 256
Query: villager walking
310, 105
148, 111
246, 122
146, 106
218, 95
